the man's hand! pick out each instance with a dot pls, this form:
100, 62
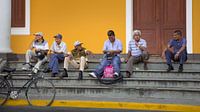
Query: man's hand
126, 60
69, 55
88, 52
176, 56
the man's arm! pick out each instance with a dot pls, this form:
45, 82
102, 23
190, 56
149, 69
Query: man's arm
182, 49
31, 47
142, 48
128, 56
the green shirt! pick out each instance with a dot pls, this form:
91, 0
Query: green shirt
78, 53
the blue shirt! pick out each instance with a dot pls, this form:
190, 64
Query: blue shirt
176, 45
117, 45
134, 49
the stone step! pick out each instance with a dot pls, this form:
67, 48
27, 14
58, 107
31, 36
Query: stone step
140, 66
127, 82
115, 92
189, 74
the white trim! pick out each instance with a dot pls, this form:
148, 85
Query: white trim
129, 23
25, 30
189, 26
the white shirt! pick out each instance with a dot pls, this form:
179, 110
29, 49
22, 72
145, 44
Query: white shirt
134, 49
41, 45
117, 45
59, 48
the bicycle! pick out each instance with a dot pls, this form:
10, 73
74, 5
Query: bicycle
35, 88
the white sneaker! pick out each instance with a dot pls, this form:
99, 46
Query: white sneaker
116, 74
35, 70
92, 74
25, 67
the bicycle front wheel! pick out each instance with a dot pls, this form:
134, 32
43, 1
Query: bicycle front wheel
40, 92
4, 91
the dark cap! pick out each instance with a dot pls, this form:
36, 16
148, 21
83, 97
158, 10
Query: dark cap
58, 36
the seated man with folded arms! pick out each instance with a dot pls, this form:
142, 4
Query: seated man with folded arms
38, 49
58, 50
77, 58
137, 52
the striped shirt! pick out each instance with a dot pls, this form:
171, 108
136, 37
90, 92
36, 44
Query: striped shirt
134, 49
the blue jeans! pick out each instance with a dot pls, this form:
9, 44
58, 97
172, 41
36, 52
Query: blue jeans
54, 62
170, 56
115, 62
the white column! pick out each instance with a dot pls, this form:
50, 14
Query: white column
5, 26
129, 21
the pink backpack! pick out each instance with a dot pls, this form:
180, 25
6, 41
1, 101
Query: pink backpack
108, 72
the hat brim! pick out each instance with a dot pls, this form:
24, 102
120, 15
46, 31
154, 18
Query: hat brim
35, 34
78, 44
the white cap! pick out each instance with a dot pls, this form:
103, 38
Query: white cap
77, 43
38, 33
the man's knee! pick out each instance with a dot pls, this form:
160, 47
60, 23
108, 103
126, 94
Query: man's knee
28, 52
67, 59
82, 58
145, 55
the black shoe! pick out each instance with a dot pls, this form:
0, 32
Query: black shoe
80, 75
54, 74
128, 74
145, 66
180, 68
47, 70
170, 67
64, 74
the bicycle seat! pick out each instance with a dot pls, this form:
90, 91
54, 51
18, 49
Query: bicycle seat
9, 70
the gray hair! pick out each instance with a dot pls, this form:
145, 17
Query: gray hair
137, 32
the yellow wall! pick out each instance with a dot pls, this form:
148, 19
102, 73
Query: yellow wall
196, 26
84, 20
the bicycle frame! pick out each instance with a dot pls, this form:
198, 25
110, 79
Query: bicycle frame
10, 80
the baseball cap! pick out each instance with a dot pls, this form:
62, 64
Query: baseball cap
58, 36
38, 33
76, 43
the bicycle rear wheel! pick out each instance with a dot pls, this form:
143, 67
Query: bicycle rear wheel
4, 91
40, 92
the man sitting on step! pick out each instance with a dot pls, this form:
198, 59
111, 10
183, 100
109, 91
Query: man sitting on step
38, 49
77, 58
58, 50
112, 49
137, 52
176, 51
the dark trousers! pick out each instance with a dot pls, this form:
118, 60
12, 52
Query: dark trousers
170, 56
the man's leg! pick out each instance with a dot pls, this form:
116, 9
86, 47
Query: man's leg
169, 56
38, 64
129, 66
182, 59
66, 67
82, 66
101, 67
55, 67
116, 65
145, 57
28, 56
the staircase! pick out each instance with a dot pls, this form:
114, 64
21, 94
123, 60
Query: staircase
152, 85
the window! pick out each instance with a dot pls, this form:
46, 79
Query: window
20, 17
